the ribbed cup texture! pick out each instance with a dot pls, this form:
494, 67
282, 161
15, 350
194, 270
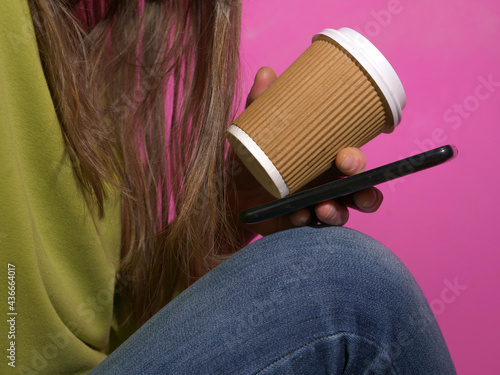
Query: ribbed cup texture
321, 104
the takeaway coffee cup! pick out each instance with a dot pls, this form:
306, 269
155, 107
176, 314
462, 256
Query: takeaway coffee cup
341, 92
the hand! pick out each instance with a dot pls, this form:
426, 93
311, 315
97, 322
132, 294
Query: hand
349, 161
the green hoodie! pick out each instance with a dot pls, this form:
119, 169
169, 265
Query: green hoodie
58, 259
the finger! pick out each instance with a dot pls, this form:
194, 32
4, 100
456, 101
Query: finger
300, 218
332, 213
263, 79
367, 200
350, 161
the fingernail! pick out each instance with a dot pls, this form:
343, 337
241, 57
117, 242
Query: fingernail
348, 163
370, 201
331, 214
259, 72
300, 220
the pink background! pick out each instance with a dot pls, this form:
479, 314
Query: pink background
442, 223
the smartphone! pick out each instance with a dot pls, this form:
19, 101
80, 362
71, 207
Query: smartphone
348, 185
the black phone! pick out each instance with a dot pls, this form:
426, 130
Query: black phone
348, 185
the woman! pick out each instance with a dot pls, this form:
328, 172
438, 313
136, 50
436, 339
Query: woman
119, 194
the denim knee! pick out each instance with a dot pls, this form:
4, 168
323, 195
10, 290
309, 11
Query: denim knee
353, 285
343, 267
339, 252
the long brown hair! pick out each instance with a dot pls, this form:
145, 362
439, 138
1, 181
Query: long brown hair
144, 91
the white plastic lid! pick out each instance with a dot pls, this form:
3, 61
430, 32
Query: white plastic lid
375, 64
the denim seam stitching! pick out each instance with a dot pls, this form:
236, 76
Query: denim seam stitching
327, 336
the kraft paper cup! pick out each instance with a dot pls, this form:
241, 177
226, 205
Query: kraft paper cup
341, 92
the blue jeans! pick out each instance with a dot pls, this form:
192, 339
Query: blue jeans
323, 300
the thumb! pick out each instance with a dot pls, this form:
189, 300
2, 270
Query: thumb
263, 79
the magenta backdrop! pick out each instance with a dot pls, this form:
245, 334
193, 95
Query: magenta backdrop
442, 223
